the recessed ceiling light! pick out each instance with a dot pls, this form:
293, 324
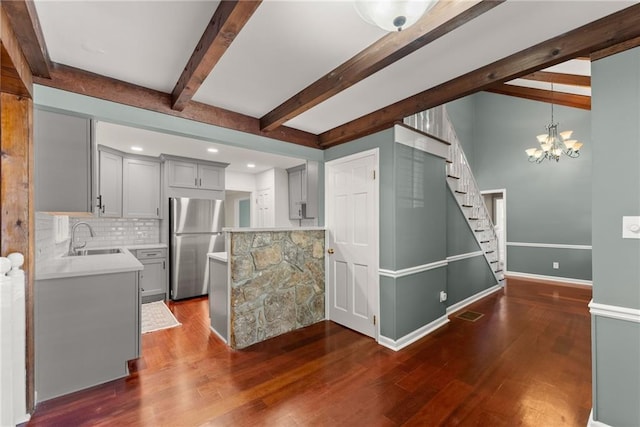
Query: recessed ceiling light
212, 150
136, 148
251, 165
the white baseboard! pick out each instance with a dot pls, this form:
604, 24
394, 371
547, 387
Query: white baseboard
413, 336
594, 423
473, 298
561, 280
218, 335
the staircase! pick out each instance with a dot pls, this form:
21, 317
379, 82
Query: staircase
462, 184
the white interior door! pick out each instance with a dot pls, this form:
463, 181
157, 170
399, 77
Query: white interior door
501, 228
264, 209
352, 224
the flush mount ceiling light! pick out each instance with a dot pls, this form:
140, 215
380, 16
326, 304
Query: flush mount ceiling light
392, 15
554, 144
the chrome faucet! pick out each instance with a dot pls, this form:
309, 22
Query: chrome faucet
73, 248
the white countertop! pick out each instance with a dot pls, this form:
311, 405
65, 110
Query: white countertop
90, 265
218, 256
276, 229
147, 246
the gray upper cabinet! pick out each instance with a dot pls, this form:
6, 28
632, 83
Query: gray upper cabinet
297, 194
193, 173
140, 188
128, 185
303, 191
183, 174
109, 184
210, 177
62, 162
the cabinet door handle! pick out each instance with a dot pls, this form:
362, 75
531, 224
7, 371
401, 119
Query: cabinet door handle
200, 182
103, 206
158, 211
99, 202
163, 265
196, 183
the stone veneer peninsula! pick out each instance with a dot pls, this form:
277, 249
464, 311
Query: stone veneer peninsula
277, 282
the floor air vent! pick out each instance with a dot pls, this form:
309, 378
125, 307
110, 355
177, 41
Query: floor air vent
471, 316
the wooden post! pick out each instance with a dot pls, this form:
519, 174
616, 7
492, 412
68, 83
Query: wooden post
16, 203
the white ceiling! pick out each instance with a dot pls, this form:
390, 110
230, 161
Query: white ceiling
155, 143
286, 45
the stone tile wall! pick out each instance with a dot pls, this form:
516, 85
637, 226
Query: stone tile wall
277, 283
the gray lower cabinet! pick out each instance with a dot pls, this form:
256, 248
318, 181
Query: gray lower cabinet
62, 162
219, 298
86, 329
153, 279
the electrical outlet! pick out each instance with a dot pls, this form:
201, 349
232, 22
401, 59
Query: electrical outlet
556, 265
443, 296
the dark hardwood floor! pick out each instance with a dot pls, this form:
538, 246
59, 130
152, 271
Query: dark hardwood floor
526, 362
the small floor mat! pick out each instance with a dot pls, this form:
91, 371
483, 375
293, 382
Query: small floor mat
156, 316
471, 316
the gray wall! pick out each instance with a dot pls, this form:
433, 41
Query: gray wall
547, 203
412, 231
384, 142
420, 223
463, 114
616, 261
469, 276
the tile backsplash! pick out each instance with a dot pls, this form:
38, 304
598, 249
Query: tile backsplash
108, 232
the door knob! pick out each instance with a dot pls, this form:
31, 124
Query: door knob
330, 250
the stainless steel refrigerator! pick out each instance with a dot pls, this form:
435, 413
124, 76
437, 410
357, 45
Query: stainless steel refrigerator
195, 229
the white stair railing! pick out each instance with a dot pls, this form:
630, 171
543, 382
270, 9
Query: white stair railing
462, 184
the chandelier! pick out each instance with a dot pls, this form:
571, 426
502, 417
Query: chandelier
554, 144
392, 15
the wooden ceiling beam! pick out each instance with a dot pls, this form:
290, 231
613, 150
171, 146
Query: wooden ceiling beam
558, 98
442, 19
15, 74
621, 47
24, 20
85, 83
226, 23
603, 33
559, 78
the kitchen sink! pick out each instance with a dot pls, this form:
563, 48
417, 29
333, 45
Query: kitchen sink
86, 252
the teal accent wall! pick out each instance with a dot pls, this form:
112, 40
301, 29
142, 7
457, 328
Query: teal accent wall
388, 306
616, 184
244, 213
462, 113
616, 373
384, 142
412, 231
418, 300
469, 276
460, 238
616, 267
420, 189
546, 203
573, 263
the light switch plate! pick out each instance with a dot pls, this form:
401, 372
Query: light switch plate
631, 227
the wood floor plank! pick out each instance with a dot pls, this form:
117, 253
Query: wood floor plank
527, 362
